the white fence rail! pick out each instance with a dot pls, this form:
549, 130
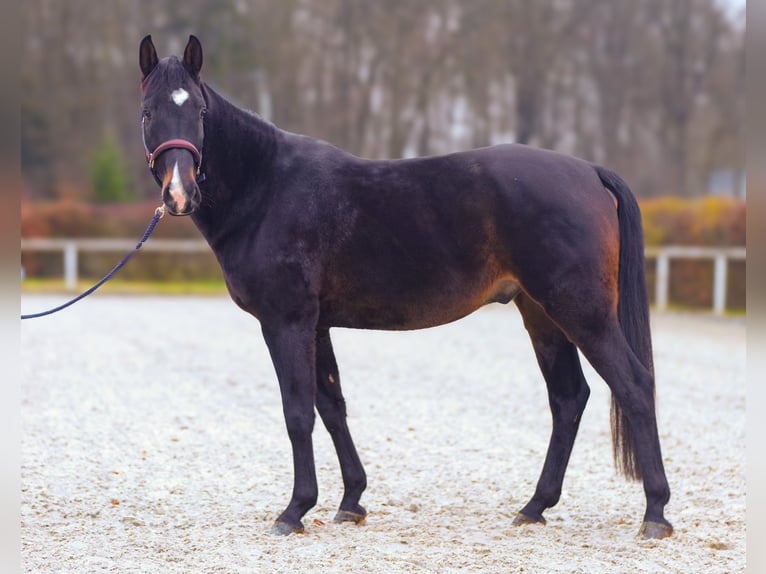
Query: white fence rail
719, 255
71, 248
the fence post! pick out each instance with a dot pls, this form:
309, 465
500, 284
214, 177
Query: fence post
70, 265
662, 281
719, 284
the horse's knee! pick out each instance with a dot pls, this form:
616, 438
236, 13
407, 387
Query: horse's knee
299, 425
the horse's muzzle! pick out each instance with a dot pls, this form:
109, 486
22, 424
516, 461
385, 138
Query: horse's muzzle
181, 203
180, 192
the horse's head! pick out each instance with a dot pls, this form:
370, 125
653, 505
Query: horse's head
172, 112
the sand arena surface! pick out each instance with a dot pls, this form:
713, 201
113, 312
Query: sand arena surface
153, 441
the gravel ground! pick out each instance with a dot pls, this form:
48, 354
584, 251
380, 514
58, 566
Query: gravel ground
153, 441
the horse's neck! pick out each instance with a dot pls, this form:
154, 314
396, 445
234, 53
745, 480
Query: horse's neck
239, 142
238, 152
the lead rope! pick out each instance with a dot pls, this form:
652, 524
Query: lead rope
159, 212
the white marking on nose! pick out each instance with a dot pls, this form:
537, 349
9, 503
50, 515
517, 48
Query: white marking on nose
179, 96
176, 188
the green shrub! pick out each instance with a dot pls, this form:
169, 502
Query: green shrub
108, 173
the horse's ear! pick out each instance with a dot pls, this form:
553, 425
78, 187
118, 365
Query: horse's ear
147, 56
193, 56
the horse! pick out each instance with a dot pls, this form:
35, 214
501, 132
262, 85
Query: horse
310, 237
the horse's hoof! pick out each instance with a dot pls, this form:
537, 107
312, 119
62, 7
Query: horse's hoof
655, 530
522, 518
282, 528
348, 516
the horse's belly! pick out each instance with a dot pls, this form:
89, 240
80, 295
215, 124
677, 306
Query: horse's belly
408, 311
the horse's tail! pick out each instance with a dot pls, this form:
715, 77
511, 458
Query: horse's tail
632, 311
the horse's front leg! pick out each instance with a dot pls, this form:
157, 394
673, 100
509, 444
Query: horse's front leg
293, 353
332, 408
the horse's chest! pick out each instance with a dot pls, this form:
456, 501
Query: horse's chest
269, 283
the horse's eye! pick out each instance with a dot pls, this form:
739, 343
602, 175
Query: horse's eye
146, 115
203, 112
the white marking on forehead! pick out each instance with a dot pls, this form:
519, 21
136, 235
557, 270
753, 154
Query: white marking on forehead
180, 96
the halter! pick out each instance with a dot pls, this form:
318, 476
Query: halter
151, 156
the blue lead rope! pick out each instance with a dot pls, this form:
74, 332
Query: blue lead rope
157, 216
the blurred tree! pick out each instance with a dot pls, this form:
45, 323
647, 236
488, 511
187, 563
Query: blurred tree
649, 87
689, 33
108, 173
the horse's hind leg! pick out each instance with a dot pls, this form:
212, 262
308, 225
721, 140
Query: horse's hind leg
633, 388
567, 395
599, 335
332, 409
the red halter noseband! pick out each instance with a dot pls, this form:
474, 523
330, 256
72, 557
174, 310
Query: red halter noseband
151, 156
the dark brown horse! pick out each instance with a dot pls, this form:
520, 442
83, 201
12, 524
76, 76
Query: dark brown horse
310, 237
